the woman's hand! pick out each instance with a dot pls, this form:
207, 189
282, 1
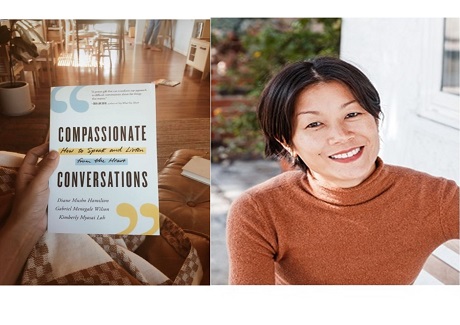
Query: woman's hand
32, 189
27, 222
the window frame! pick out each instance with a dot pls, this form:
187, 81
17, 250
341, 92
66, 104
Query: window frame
438, 106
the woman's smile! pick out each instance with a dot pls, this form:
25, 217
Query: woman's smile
347, 155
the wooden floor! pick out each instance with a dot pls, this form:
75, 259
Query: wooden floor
185, 106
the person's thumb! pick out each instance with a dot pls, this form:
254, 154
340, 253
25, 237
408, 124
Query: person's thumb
47, 166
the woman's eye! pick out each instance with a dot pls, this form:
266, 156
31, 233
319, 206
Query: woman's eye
354, 114
313, 125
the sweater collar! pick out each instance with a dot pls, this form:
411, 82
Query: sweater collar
377, 183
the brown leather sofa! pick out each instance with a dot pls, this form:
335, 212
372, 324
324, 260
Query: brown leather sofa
187, 203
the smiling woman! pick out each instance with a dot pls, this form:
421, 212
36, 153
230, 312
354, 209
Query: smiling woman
345, 217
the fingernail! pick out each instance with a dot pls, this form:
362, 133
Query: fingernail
53, 154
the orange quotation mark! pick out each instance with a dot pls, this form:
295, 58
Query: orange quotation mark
148, 210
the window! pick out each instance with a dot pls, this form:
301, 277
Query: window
450, 63
440, 91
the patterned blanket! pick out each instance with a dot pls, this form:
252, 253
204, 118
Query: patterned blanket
107, 259
103, 259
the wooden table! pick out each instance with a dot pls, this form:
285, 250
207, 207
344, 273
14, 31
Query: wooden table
121, 31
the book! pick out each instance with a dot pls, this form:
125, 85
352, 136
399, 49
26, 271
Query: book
199, 169
166, 82
107, 179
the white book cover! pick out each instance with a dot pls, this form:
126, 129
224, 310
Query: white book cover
199, 169
106, 181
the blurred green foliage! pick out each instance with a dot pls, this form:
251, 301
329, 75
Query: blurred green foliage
241, 138
275, 45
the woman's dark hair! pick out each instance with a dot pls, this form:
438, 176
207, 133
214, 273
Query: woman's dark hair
276, 107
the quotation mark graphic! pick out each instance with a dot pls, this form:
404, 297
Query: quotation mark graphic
60, 106
148, 210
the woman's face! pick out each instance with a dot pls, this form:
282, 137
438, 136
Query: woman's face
336, 138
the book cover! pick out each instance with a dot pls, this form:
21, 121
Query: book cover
198, 168
106, 181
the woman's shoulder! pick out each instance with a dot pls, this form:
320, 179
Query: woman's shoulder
277, 183
276, 186
267, 196
416, 177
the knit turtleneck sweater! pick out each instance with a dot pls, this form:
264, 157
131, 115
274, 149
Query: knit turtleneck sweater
293, 230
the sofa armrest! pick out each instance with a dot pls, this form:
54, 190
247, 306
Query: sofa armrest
184, 200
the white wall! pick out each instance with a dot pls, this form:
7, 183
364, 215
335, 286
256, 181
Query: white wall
182, 33
391, 52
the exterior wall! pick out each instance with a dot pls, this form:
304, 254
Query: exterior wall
392, 53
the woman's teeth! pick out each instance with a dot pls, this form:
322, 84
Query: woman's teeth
347, 154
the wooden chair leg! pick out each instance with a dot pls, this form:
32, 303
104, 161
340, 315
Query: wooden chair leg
36, 79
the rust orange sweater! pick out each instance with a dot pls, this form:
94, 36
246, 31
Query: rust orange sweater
290, 230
